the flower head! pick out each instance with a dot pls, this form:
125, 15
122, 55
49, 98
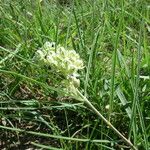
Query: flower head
66, 62
63, 61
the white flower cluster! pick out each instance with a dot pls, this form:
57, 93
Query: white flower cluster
65, 62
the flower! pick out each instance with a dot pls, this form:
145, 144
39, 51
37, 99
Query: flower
63, 61
66, 62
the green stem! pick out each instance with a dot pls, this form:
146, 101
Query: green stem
105, 120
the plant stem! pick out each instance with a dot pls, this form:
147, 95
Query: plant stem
106, 121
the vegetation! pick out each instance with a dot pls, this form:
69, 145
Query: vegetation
112, 38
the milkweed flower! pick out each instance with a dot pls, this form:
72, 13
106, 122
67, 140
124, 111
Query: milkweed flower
65, 62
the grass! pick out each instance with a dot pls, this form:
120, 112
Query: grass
112, 38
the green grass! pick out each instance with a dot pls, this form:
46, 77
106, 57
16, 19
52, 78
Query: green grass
112, 38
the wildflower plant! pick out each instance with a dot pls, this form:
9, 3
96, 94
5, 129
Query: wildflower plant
64, 62
67, 63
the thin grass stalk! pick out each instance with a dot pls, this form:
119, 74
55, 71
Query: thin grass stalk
45, 146
114, 59
53, 136
136, 93
136, 105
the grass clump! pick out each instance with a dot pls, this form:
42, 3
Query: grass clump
112, 38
